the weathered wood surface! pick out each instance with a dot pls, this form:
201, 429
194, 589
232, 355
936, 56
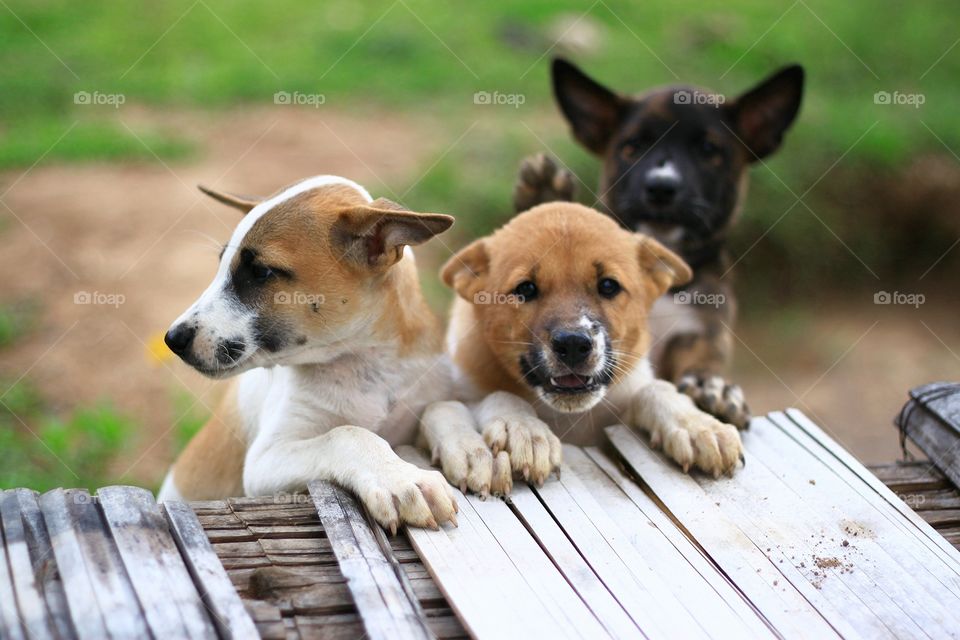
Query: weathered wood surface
387, 610
932, 420
104, 566
804, 542
217, 592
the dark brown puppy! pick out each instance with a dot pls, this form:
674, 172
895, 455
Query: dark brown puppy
675, 163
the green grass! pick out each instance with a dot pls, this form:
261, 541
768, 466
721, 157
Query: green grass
428, 58
216, 54
40, 450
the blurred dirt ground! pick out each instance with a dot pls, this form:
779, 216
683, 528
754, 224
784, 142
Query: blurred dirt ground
143, 232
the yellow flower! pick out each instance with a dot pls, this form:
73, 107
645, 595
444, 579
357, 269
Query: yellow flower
157, 350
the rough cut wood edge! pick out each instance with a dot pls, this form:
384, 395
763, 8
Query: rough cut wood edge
170, 600
797, 420
925, 425
381, 601
216, 589
29, 599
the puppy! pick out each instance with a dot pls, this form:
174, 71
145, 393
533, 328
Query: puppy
550, 326
316, 313
674, 166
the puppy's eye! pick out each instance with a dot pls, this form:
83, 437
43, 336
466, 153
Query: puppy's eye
608, 287
628, 151
526, 290
261, 273
709, 148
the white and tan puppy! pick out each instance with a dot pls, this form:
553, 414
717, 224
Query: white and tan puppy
550, 328
316, 308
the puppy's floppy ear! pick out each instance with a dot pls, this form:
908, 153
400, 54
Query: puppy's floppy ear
764, 113
466, 271
664, 267
235, 200
592, 110
375, 234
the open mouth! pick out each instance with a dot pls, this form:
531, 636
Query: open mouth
571, 383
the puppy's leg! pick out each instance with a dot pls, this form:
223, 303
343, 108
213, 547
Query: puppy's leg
541, 180
687, 435
695, 361
396, 492
456, 445
510, 424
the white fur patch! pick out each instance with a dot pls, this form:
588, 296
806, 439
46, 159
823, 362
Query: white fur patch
667, 171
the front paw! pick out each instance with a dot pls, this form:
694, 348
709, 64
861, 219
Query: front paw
695, 438
534, 451
541, 180
401, 493
717, 397
467, 463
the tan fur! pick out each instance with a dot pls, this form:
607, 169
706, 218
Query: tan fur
314, 235
211, 466
566, 267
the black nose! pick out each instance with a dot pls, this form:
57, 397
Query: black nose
180, 338
662, 189
571, 347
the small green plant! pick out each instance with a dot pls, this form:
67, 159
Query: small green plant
42, 451
189, 419
14, 321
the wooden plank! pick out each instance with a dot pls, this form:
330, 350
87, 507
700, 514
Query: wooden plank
756, 575
10, 619
669, 542
825, 448
481, 583
928, 424
798, 526
209, 576
909, 476
906, 543
385, 608
537, 569
82, 588
43, 562
575, 569
637, 581
29, 599
163, 585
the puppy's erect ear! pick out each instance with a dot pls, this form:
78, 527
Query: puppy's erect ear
375, 234
466, 271
592, 110
763, 114
235, 200
664, 267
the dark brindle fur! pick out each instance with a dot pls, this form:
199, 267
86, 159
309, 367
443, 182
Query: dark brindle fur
675, 163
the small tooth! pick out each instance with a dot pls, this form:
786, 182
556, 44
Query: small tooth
553, 381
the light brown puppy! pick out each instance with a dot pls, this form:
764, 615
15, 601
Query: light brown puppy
550, 326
